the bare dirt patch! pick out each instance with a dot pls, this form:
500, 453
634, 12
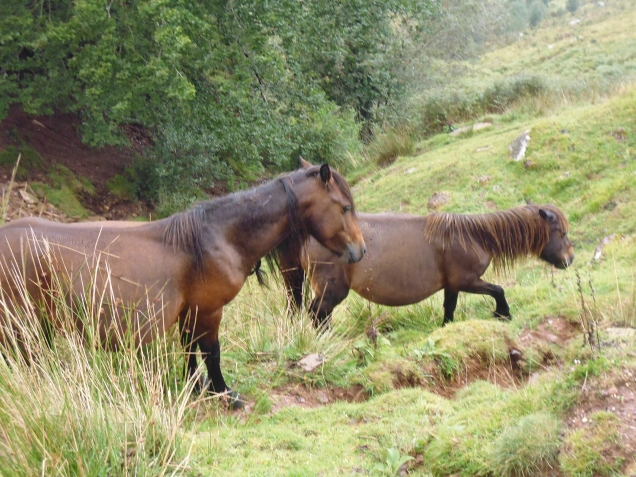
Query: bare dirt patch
552, 331
615, 393
57, 140
301, 396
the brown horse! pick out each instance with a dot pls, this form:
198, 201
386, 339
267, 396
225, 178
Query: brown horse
409, 258
184, 268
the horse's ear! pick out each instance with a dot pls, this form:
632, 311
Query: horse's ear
547, 215
325, 173
304, 164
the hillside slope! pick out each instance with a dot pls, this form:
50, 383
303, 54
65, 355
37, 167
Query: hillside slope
568, 410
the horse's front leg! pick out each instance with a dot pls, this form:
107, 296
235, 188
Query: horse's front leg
450, 303
186, 329
481, 287
208, 342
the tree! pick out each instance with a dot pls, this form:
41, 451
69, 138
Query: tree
225, 86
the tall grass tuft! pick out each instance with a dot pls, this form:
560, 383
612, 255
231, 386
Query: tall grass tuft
68, 406
528, 447
390, 144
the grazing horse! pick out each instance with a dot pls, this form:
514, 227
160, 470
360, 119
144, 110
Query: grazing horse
184, 268
411, 257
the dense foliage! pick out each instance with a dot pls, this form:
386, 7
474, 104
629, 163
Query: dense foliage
227, 86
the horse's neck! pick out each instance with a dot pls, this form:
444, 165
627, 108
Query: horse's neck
257, 222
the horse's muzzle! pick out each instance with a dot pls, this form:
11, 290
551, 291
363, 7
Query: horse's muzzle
565, 263
355, 253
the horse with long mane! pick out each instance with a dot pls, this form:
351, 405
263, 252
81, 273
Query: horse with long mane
411, 257
184, 268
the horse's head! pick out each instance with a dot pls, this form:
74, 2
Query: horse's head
558, 251
328, 213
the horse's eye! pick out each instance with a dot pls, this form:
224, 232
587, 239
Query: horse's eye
346, 208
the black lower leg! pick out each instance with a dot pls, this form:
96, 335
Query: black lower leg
502, 310
212, 356
450, 303
320, 317
190, 348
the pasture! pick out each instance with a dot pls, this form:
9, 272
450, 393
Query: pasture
396, 393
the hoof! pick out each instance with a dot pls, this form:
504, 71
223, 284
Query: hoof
502, 316
235, 402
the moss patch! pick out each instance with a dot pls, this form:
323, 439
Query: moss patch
63, 198
30, 160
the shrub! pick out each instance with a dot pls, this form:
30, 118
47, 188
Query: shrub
389, 145
537, 12
518, 15
572, 5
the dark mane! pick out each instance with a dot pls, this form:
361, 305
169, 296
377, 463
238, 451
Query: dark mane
184, 232
286, 257
185, 229
507, 235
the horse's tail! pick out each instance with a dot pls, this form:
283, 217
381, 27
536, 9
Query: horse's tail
261, 276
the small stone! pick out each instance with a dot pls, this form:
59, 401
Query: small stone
483, 180
311, 361
519, 145
28, 198
322, 398
437, 200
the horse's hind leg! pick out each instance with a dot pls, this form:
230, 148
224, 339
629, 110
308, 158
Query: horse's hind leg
450, 303
481, 287
190, 348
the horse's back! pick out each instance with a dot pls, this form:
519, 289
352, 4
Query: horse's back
126, 260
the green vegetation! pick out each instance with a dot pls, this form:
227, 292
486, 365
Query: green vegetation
588, 451
30, 159
64, 190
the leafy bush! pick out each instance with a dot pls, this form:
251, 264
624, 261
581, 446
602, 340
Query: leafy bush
537, 12
387, 146
572, 5
518, 15
208, 80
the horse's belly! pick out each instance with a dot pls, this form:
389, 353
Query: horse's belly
396, 285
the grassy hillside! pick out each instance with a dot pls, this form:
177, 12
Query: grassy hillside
584, 161
398, 393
